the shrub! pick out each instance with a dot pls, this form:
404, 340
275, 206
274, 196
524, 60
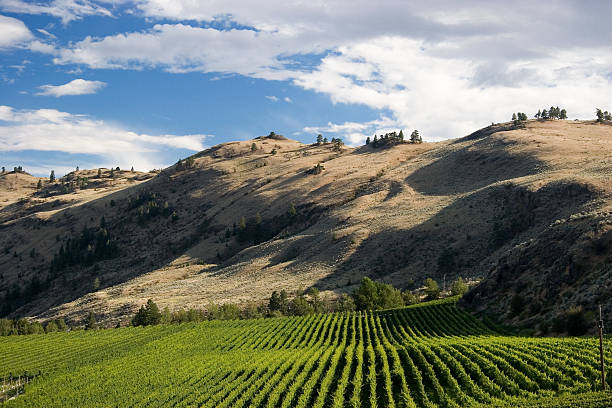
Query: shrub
459, 287
372, 295
410, 298
432, 289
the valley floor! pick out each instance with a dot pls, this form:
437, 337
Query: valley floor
430, 355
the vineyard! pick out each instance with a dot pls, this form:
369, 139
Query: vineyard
432, 355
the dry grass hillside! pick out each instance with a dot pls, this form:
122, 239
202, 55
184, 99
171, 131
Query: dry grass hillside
529, 210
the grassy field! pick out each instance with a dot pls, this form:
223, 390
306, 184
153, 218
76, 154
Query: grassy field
432, 355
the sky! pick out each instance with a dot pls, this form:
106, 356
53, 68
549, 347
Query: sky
101, 83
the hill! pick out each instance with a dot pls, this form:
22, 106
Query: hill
432, 355
527, 210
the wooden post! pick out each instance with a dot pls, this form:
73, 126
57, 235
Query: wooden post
601, 351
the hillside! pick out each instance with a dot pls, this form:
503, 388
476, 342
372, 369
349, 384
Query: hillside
431, 355
528, 210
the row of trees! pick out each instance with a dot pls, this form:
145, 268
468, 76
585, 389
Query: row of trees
603, 115
552, 113
393, 138
16, 169
370, 295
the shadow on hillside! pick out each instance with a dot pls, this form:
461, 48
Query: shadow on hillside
462, 239
480, 164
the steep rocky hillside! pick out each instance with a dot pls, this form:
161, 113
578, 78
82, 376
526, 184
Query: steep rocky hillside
529, 210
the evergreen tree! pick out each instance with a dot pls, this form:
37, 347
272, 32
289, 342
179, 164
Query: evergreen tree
563, 114
253, 147
39, 185
91, 322
600, 115
292, 210
3, 169
52, 176
401, 136
514, 117
319, 139
368, 140
375, 141
544, 114
538, 114
415, 137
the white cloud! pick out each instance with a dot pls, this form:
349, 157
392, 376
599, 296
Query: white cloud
287, 99
53, 130
272, 98
439, 96
66, 10
355, 132
183, 48
45, 32
443, 67
13, 32
74, 87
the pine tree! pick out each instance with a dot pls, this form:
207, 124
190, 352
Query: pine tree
39, 185
538, 114
368, 140
401, 136
563, 114
415, 137
253, 147
514, 117
375, 141
319, 139
91, 322
324, 140
600, 115
52, 176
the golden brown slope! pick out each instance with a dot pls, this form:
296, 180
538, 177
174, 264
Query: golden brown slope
403, 213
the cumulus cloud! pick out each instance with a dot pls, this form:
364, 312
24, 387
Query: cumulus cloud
74, 87
54, 130
66, 10
183, 48
440, 66
13, 32
272, 98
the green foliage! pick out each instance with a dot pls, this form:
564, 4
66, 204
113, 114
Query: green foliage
253, 147
371, 295
603, 115
345, 303
319, 139
459, 287
432, 289
318, 169
91, 323
147, 315
429, 355
52, 176
410, 298
91, 246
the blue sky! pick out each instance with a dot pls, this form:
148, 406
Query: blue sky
145, 82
